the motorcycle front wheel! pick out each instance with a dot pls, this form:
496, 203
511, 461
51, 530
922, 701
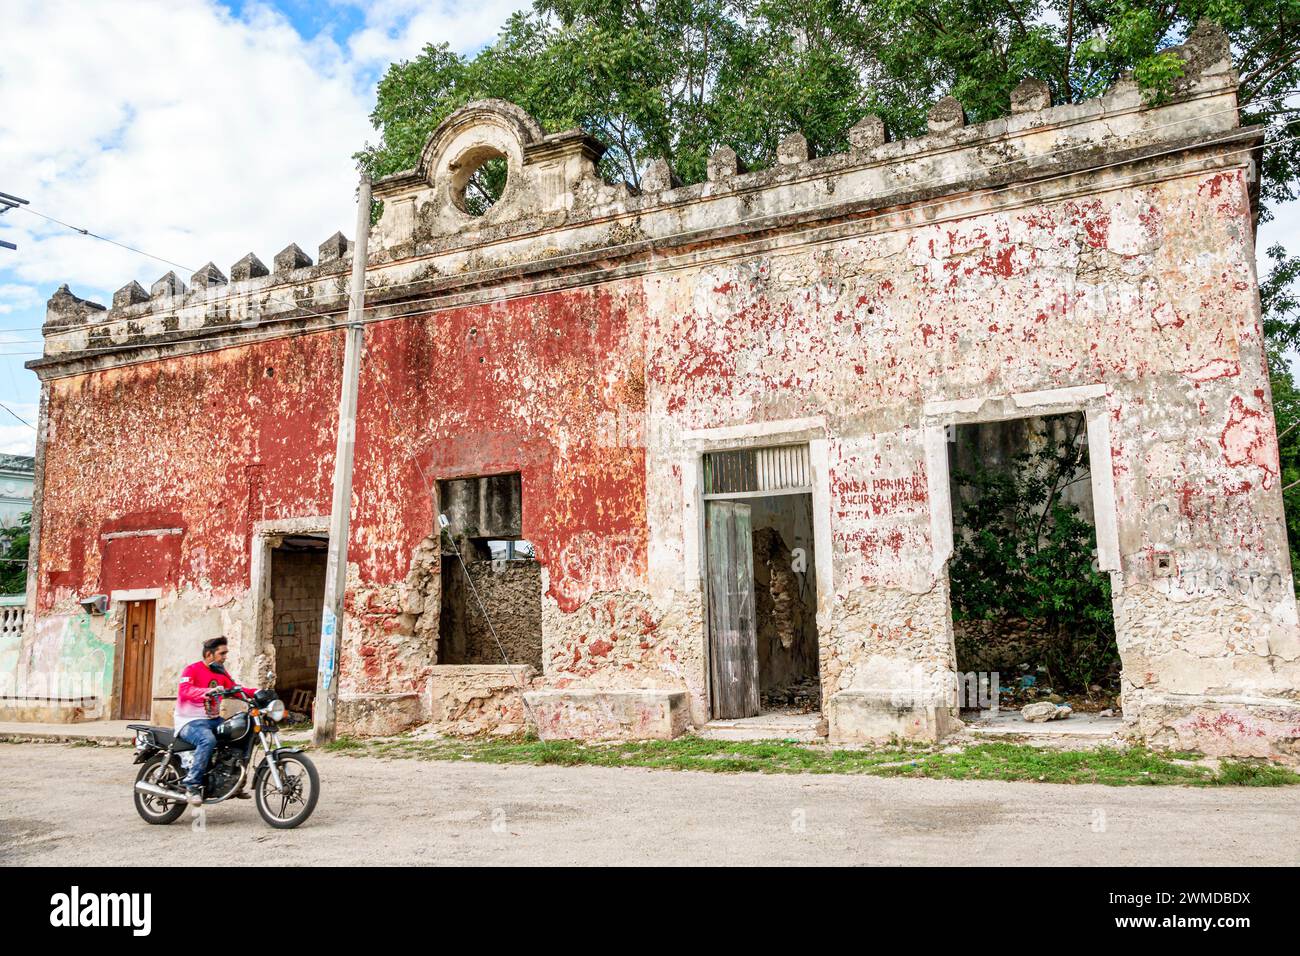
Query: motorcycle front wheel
290, 804
163, 772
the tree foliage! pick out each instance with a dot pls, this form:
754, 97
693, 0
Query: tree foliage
677, 78
15, 541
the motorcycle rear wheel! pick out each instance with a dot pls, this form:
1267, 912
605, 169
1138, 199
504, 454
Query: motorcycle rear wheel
162, 772
293, 802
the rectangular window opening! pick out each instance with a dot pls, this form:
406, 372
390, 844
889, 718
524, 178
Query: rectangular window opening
491, 580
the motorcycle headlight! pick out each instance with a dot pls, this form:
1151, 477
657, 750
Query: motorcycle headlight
275, 710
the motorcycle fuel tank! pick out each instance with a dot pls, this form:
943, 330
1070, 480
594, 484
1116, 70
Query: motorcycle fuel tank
236, 728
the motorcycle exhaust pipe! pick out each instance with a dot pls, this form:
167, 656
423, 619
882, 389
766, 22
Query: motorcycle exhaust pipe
143, 786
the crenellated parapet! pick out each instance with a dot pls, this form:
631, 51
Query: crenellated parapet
556, 217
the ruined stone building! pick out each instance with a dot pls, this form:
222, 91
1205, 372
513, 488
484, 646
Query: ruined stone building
691, 441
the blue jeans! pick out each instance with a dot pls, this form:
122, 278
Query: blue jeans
200, 733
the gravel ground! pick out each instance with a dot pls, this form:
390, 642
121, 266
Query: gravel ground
69, 806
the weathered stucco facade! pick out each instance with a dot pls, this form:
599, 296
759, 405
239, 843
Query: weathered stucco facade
1094, 257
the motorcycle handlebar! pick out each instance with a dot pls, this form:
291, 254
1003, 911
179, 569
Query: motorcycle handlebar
227, 692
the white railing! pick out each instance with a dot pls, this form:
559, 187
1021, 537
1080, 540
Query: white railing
11, 620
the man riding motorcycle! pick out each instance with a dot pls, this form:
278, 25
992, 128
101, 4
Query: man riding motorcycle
198, 711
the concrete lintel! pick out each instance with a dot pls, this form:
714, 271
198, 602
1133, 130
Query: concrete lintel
136, 594
486, 671
957, 406
303, 524
1010, 405
790, 429
1071, 395
142, 533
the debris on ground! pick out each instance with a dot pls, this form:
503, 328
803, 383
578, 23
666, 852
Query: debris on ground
1044, 710
798, 697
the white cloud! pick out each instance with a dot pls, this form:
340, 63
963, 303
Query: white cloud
184, 131
180, 129
15, 437
1284, 227
176, 128
13, 297
399, 29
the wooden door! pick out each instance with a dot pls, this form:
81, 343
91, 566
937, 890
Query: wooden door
137, 661
733, 657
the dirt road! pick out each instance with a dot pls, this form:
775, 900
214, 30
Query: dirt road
63, 806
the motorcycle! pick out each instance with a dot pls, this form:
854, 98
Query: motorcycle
285, 783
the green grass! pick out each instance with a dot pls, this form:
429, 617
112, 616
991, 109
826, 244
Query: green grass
1134, 766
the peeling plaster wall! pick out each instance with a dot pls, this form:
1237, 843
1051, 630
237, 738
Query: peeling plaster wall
551, 388
1129, 285
199, 448
1148, 291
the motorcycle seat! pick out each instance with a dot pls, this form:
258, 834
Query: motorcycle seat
163, 737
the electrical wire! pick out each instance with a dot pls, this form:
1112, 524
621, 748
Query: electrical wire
94, 235
17, 416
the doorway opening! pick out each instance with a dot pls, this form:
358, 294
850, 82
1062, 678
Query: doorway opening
762, 599
298, 565
1032, 613
137, 661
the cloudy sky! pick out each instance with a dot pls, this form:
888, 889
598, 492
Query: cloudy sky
196, 130
193, 129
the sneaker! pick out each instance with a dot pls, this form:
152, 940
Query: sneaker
194, 796
243, 795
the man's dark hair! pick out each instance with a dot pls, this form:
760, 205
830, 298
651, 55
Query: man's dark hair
211, 644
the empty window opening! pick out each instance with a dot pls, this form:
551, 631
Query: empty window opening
1028, 601
479, 180
510, 550
761, 583
485, 522
297, 599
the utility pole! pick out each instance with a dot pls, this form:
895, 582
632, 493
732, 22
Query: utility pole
336, 571
8, 202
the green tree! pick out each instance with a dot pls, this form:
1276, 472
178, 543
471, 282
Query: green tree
676, 78
15, 541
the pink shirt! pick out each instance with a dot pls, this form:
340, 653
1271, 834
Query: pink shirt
191, 701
